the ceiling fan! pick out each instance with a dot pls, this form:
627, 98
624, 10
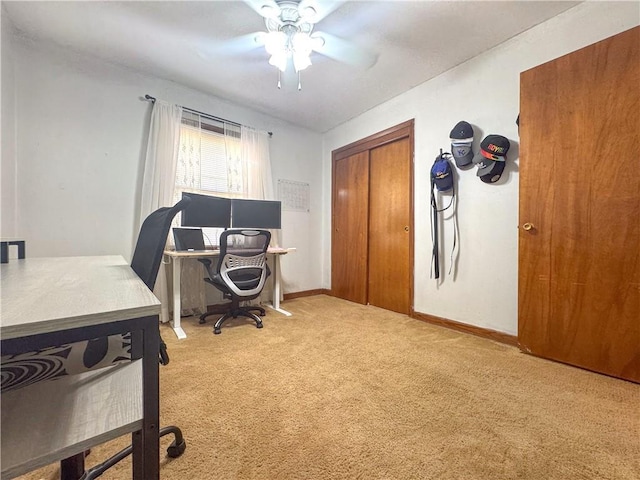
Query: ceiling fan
289, 27
290, 37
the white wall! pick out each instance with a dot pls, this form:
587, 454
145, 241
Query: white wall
81, 140
485, 92
8, 226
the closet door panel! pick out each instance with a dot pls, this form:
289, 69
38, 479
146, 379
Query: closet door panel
389, 226
350, 227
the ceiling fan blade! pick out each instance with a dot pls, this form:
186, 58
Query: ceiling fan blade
322, 7
344, 51
263, 7
233, 46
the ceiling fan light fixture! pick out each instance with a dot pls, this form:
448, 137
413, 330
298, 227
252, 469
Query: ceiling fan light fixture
288, 34
302, 44
275, 43
300, 61
279, 60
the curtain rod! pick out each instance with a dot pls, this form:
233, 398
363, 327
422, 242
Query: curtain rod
218, 119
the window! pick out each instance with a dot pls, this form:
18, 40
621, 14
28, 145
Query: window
209, 159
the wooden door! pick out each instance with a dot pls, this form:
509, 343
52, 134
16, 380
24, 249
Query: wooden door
579, 258
350, 227
389, 232
372, 220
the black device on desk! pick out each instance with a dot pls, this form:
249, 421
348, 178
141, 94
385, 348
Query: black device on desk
188, 239
206, 211
247, 213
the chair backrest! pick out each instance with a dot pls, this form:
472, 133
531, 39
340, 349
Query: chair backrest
152, 240
242, 264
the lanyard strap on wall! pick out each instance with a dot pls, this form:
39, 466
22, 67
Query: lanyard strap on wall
435, 253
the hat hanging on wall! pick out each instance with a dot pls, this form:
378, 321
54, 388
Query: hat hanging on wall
491, 158
461, 137
441, 174
442, 181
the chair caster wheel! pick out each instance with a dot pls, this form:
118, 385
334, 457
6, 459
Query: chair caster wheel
217, 331
202, 320
174, 451
259, 325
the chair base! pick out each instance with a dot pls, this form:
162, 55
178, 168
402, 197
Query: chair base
235, 313
174, 450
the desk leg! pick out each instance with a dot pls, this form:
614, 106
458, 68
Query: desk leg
72, 468
275, 302
177, 307
21, 249
146, 442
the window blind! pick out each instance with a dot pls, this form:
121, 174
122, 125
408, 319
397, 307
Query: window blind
209, 158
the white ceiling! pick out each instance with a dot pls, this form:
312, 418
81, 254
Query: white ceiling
207, 45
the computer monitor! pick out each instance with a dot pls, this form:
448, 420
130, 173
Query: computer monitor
255, 213
206, 211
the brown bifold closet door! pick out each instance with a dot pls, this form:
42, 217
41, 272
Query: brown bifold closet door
350, 227
372, 220
579, 232
389, 232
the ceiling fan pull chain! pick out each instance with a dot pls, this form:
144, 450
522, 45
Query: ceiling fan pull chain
279, 84
299, 83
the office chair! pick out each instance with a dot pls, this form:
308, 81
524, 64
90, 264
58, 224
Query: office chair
240, 274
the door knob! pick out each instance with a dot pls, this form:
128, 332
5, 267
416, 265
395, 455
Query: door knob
406, 228
528, 226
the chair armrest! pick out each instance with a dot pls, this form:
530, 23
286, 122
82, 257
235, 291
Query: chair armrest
208, 266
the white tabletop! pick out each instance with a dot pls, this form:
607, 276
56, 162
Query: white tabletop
84, 291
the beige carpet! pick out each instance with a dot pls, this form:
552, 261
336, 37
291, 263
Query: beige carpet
344, 391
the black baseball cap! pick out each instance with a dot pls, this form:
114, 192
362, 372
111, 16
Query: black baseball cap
491, 158
461, 137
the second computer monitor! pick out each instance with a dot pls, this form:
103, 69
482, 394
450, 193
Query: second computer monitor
255, 213
206, 211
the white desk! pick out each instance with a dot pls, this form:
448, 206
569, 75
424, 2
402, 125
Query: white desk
55, 301
176, 258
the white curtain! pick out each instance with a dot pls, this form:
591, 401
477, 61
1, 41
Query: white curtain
255, 155
236, 170
254, 146
159, 176
189, 157
192, 289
